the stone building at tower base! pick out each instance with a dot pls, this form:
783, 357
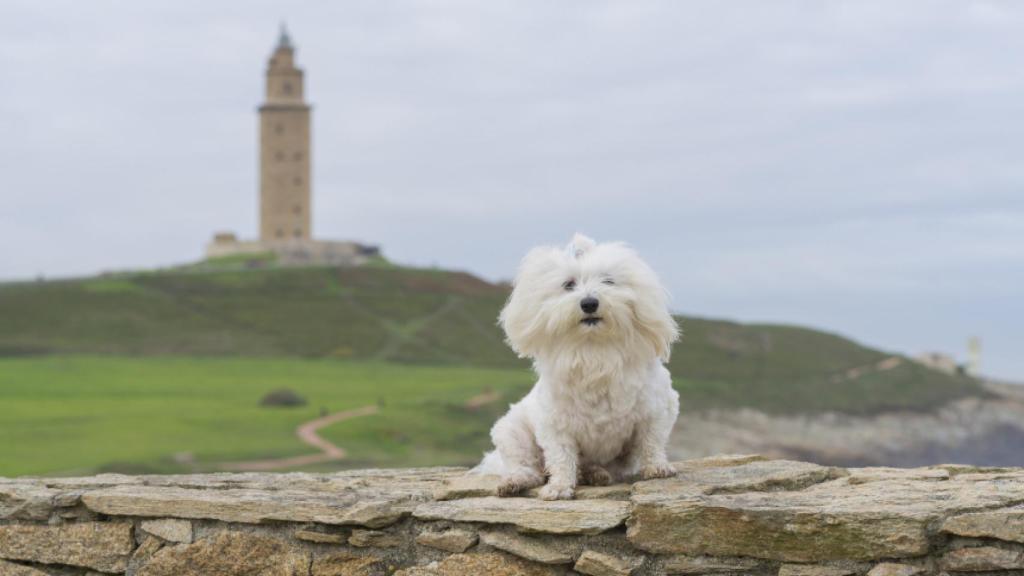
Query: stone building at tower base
294, 252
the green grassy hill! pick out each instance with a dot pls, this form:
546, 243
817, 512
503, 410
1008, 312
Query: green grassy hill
430, 317
81, 415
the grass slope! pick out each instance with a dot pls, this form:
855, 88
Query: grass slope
430, 317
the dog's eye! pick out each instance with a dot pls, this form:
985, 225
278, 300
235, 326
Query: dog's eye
569, 285
608, 282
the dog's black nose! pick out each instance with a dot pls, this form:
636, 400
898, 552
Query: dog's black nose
589, 304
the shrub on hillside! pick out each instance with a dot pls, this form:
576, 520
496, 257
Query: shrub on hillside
283, 397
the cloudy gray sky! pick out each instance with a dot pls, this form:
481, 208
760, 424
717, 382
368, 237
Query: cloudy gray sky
853, 166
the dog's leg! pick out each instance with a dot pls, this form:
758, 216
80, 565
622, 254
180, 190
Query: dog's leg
560, 459
648, 456
520, 456
594, 475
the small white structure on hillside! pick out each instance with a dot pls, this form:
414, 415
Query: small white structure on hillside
938, 361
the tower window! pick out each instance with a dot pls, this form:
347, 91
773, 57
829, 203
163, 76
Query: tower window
298, 181
287, 88
298, 232
279, 128
297, 209
297, 156
279, 156
280, 233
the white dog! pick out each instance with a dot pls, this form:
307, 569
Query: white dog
595, 321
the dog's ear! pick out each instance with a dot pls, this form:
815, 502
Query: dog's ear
652, 317
580, 245
523, 325
657, 326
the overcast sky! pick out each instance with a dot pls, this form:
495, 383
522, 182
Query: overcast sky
852, 166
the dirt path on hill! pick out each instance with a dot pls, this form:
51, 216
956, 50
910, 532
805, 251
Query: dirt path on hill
402, 334
482, 399
883, 365
307, 432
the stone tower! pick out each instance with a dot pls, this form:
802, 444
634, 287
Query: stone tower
284, 150
285, 207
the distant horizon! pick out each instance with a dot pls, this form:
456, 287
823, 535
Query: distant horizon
846, 166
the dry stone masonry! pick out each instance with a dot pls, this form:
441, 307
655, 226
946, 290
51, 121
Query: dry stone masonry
727, 515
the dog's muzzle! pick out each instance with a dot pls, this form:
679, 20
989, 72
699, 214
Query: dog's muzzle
589, 306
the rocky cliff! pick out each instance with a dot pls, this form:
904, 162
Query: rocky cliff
721, 515
972, 430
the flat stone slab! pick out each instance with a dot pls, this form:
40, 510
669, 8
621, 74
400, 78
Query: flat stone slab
896, 569
741, 477
876, 473
683, 564
26, 501
169, 529
103, 546
248, 505
529, 548
1004, 524
531, 515
12, 569
594, 563
453, 540
489, 564
833, 520
983, 559
815, 570
229, 554
480, 485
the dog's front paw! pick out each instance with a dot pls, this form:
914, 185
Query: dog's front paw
555, 492
518, 482
510, 488
652, 471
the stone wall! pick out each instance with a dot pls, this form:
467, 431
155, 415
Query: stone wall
727, 515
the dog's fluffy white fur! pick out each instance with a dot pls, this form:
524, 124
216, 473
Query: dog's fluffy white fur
603, 405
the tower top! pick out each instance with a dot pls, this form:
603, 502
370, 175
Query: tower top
283, 39
282, 63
